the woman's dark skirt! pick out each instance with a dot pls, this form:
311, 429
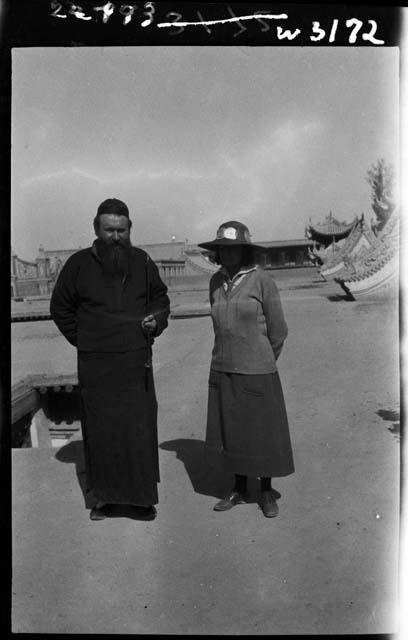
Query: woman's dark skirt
247, 420
119, 427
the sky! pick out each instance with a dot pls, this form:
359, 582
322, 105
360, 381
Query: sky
190, 137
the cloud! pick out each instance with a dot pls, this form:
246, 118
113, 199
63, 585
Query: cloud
291, 140
57, 176
275, 161
160, 173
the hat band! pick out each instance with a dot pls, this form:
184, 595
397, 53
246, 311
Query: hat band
231, 233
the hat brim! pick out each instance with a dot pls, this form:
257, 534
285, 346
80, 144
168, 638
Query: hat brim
225, 242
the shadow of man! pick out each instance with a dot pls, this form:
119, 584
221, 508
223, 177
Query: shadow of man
205, 468
59, 407
73, 453
65, 408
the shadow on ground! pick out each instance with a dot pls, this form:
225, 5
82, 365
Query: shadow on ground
297, 287
205, 468
340, 298
391, 416
73, 453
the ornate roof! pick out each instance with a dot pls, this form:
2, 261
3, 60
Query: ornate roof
331, 227
360, 239
375, 269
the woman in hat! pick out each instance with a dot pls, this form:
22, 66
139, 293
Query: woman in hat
246, 409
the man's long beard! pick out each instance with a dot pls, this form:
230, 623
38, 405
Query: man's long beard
115, 256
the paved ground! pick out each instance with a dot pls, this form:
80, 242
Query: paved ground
326, 565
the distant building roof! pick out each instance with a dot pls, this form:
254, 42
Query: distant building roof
177, 251
285, 243
164, 250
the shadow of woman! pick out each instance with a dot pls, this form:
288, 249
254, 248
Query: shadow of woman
205, 468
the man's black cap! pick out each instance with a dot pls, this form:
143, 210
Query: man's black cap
113, 206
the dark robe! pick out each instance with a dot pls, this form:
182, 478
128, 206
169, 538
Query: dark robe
119, 426
101, 315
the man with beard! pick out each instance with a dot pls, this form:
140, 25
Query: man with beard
110, 302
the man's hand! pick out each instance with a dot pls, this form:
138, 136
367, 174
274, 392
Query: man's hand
149, 324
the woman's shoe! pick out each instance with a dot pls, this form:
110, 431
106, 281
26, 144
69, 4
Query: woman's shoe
268, 504
230, 501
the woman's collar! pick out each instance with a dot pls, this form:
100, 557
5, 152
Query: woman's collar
241, 272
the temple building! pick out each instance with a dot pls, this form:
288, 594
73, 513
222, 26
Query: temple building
330, 231
372, 270
175, 261
363, 262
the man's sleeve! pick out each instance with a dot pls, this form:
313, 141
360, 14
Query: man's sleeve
64, 303
275, 322
212, 288
159, 303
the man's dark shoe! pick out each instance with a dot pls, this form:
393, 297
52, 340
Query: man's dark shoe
229, 501
123, 511
97, 513
145, 513
268, 504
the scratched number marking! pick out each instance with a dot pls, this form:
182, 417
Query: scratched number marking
242, 28
64, 9
206, 27
354, 24
77, 11
258, 18
149, 13
105, 10
56, 8
127, 10
366, 36
178, 17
